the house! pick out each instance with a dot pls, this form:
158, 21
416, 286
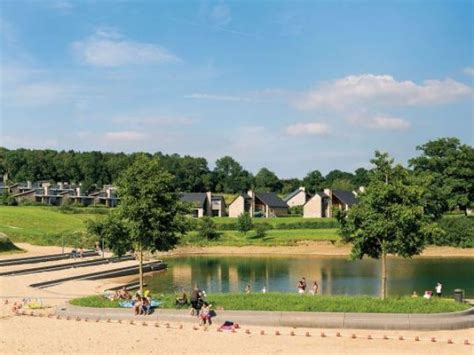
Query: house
258, 204
297, 198
322, 203
107, 196
204, 204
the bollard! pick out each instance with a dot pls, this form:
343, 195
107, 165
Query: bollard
145, 324
97, 320
58, 317
277, 333
450, 341
86, 319
119, 321
50, 316
78, 319
262, 332
195, 328
400, 337
292, 333
6, 301
338, 334
354, 336
466, 342
323, 335
132, 322
417, 338
433, 339
307, 334
247, 331
369, 337
167, 325
180, 326
157, 325
32, 314
385, 337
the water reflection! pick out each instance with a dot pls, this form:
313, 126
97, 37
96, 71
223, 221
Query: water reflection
335, 275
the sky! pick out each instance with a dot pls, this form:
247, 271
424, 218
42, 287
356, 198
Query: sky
293, 86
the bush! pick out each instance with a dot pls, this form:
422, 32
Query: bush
296, 211
261, 229
244, 222
458, 232
206, 229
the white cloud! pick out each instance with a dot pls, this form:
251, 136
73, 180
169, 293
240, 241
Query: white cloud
62, 6
124, 136
218, 97
388, 123
308, 129
107, 48
372, 89
469, 70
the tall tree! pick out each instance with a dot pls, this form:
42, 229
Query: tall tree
230, 177
150, 216
290, 185
389, 218
361, 178
266, 181
335, 175
449, 166
313, 181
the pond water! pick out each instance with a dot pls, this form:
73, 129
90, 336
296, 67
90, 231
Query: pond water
335, 275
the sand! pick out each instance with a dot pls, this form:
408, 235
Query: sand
26, 334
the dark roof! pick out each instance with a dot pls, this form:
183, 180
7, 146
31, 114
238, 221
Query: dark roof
345, 196
197, 198
271, 199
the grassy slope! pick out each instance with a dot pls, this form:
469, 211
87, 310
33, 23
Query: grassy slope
307, 303
46, 225
40, 225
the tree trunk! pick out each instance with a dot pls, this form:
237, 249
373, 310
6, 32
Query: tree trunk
383, 291
140, 268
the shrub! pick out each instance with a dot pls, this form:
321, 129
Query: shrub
296, 211
244, 222
206, 229
261, 229
458, 232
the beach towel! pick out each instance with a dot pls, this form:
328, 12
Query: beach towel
129, 303
229, 326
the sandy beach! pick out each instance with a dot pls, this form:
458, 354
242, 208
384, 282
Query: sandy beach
27, 334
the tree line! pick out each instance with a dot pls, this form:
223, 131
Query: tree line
191, 174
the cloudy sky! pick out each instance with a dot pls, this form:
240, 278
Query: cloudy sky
293, 86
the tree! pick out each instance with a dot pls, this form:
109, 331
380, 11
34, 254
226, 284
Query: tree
244, 222
313, 182
335, 175
150, 216
206, 229
389, 218
290, 185
261, 230
342, 184
449, 167
361, 177
230, 177
267, 181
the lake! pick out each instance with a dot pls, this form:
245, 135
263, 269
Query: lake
335, 275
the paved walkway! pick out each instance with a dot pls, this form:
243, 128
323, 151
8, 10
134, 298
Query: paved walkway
441, 321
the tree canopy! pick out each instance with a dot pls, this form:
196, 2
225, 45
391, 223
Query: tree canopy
389, 217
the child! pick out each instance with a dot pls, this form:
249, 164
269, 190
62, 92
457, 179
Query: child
205, 314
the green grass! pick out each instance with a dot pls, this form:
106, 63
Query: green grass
273, 221
306, 303
42, 225
274, 237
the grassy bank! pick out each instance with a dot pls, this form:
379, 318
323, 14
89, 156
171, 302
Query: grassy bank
273, 237
7, 247
306, 303
42, 225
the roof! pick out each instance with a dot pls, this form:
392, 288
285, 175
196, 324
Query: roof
271, 199
345, 196
197, 198
292, 194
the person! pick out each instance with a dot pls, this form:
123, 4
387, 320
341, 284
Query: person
414, 295
439, 289
315, 288
146, 306
205, 314
264, 289
74, 253
196, 301
81, 252
182, 300
248, 289
302, 285
137, 304
428, 295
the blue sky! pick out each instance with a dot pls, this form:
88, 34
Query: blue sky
293, 86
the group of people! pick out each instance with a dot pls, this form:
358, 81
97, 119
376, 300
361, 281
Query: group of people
142, 304
200, 307
302, 287
77, 253
429, 294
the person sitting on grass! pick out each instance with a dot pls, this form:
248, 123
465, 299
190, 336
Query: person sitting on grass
428, 295
414, 295
181, 300
205, 314
137, 304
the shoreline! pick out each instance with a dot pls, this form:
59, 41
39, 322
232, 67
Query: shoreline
309, 248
